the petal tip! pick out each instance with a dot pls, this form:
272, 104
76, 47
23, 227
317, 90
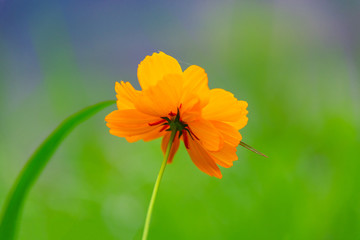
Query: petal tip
218, 175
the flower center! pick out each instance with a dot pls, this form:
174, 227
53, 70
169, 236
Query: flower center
173, 122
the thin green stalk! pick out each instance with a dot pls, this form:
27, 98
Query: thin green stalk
34, 167
156, 187
248, 147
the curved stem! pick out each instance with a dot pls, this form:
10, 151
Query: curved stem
156, 187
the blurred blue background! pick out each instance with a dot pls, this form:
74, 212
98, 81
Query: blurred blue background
295, 62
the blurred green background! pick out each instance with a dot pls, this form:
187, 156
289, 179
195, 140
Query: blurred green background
295, 62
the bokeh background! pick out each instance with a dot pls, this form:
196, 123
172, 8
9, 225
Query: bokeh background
296, 63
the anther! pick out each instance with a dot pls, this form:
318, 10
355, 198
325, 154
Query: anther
193, 134
157, 123
186, 139
163, 128
171, 114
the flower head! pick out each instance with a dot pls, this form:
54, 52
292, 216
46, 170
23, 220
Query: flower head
207, 121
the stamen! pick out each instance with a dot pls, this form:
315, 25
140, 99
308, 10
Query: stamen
157, 123
193, 134
163, 128
186, 139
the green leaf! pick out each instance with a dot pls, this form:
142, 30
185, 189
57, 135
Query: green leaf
248, 147
34, 167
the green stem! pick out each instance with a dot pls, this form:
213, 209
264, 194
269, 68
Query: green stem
156, 187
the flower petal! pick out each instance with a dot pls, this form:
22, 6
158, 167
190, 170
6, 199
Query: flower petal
207, 134
135, 134
163, 98
224, 107
196, 83
231, 134
126, 95
190, 109
129, 117
132, 123
174, 147
153, 68
202, 159
242, 121
148, 136
225, 156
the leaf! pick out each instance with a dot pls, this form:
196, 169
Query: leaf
34, 167
251, 149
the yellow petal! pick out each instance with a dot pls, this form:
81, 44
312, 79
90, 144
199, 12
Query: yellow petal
224, 107
196, 83
148, 136
207, 134
190, 109
153, 69
163, 98
126, 95
231, 134
129, 117
242, 121
202, 159
225, 156
128, 131
174, 146
132, 124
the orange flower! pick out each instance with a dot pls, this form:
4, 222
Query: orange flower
207, 121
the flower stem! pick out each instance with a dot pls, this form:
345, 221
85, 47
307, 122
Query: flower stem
156, 187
